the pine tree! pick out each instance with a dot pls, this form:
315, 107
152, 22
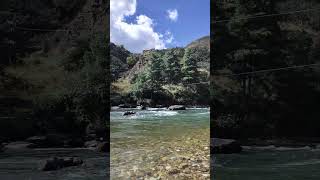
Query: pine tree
189, 66
172, 71
155, 71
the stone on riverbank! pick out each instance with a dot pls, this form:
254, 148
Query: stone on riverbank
59, 163
54, 140
177, 107
225, 146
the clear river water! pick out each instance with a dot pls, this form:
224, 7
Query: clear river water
158, 143
269, 164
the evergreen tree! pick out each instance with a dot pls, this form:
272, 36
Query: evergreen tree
155, 71
172, 71
189, 66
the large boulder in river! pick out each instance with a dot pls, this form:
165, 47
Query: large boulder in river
225, 146
59, 163
128, 113
127, 106
177, 107
142, 107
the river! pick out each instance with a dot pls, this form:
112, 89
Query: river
24, 165
269, 164
158, 143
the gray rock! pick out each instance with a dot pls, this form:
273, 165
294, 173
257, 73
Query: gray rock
128, 113
177, 107
142, 107
59, 163
225, 146
51, 140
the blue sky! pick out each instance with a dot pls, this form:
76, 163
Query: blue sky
144, 24
193, 18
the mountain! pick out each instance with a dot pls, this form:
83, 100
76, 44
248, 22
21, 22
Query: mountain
202, 42
168, 69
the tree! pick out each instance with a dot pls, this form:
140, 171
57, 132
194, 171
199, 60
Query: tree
155, 71
189, 66
172, 70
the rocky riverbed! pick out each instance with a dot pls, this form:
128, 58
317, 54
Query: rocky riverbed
161, 144
186, 157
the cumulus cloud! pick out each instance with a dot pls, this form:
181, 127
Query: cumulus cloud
173, 14
136, 36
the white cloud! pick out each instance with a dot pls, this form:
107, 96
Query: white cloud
173, 14
169, 37
136, 36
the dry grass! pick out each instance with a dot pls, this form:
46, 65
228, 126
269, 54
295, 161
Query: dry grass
122, 86
43, 76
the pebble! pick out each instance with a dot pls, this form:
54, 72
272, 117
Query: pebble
173, 160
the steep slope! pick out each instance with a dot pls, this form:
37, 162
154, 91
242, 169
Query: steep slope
58, 49
202, 42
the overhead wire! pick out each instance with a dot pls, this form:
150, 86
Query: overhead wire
267, 15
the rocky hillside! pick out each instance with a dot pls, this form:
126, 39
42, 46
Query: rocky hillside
202, 42
168, 69
120, 64
54, 59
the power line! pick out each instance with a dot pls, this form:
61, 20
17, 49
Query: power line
267, 15
270, 70
9, 12
43, 30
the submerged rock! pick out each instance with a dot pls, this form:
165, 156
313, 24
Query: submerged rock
177, 107
128, 113
225, 146
59, 163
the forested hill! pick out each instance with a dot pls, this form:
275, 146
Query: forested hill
251, 36
54, 69
161, 77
